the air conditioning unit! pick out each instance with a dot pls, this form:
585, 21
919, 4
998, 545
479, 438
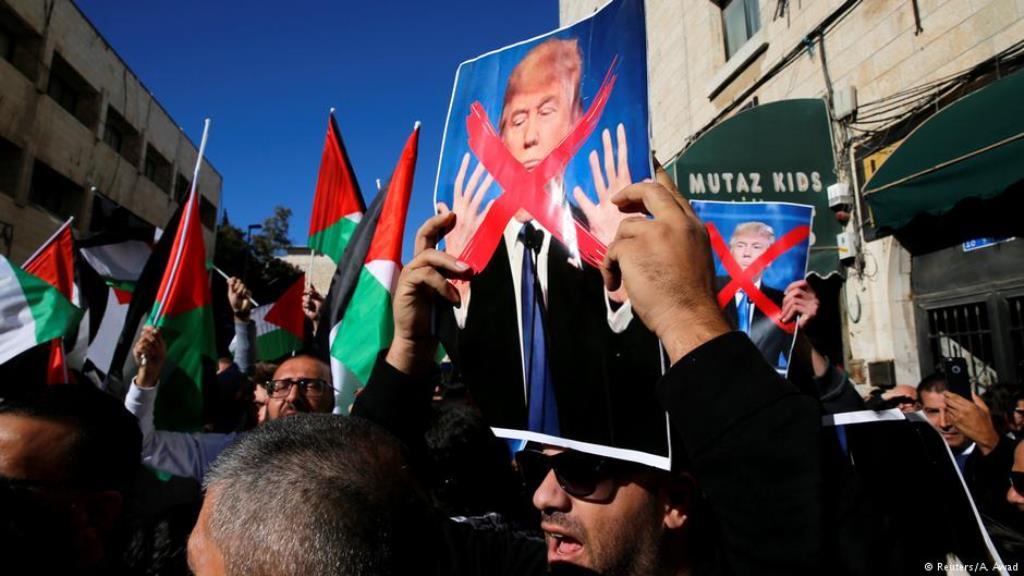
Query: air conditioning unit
848, 245
840, 199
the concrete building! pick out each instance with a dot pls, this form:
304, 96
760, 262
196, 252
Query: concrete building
80, 135
900, 309
320, 269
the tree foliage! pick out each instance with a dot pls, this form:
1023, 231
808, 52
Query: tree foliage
256, 262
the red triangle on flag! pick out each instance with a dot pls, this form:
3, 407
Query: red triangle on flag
337, 192
287, 311
387, 239
184, 285
54, 263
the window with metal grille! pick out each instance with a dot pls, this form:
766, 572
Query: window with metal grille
1016, 306
963, 331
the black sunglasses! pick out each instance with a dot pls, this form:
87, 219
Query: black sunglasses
579, 474
1017, 481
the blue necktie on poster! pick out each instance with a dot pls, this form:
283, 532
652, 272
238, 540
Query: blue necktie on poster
542, 412
743, 313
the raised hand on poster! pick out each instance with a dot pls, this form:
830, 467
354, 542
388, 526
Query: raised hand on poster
665, 264
467, 198
604, 216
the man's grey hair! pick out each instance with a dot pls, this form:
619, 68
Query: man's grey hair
753, 228
314, 494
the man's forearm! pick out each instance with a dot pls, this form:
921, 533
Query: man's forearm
753, 445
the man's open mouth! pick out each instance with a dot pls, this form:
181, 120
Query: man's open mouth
563, 548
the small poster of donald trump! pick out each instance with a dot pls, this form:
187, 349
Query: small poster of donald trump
540, 135
759, 248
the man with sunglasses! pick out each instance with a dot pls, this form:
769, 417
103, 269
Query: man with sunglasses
749, 441
300, 384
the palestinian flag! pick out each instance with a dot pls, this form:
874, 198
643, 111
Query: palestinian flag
338, 204
366, 324
33, 311
143, 295
54, 263
183, 313
279, 326
110, 265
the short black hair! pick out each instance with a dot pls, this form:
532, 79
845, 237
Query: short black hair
314, 494
935, 382
105, 454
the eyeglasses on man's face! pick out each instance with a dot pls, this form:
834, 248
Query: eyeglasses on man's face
308, 387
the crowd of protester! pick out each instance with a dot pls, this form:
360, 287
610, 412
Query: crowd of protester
413, 481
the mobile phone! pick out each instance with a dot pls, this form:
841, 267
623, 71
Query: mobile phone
956, 376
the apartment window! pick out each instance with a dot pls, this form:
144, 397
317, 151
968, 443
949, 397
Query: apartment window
964, 331
74, 94
53, 192
207, 213
157, 169
109, 215
10, 167
181, 188
121, 136
741, 19
19, 44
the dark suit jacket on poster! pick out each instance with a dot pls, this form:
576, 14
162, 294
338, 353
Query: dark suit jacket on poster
771, 340
604, 382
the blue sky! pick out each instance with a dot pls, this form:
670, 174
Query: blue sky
268, 72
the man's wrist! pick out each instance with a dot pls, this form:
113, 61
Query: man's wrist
410, 356
685, 332
144, 383
242, 316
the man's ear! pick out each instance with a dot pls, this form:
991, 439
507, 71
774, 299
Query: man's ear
678, 494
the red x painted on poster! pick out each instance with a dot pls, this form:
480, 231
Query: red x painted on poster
525, 189
744, 279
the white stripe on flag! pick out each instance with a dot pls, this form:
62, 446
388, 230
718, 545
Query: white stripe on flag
17, 326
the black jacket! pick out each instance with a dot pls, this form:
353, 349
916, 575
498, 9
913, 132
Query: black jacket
750, 439
771, 340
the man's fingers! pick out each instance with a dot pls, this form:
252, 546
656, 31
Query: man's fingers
609, 156
623, 171
631, 227
480, 193
440, 260
460, 178
610, 271
649, 198
431, 277
595, 169
474, 180
431, 232
584, 203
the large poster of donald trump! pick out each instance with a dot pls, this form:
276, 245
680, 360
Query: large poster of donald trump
540, 135
759, 248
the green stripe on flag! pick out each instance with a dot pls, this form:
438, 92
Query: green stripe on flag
276, 344
332, 240
54, 315
189, 338
364, 331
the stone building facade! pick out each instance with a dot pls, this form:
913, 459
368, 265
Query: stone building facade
709, 59
81, 136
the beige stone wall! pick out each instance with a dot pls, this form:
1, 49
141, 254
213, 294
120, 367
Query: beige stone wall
874, 48
322, 267
32, 120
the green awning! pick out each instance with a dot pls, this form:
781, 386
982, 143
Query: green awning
776, 152
973, 148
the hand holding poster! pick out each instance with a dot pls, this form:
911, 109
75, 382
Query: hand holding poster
540, 136
759, 248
